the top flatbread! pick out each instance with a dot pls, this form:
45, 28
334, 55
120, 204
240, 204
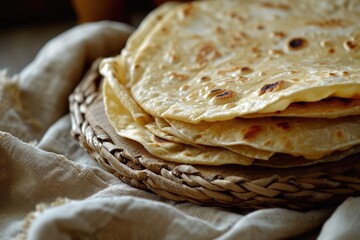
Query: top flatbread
217, 60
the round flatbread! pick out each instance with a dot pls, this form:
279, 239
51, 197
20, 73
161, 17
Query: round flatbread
217, 60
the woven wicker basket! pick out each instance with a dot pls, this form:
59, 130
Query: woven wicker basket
253, 187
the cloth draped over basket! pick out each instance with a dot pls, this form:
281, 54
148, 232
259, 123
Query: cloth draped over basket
51, 188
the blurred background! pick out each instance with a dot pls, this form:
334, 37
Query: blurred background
26, 25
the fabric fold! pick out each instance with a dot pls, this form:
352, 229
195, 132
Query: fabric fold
47, 82
344, 223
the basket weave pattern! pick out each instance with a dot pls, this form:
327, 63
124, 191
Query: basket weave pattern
300, 189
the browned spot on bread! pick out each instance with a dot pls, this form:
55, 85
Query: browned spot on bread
236, 16
242, 70
205, 78
172, 57
187, 154
283, 125
339, 134
252, 132
332, 74
350, 45
206, 53
215, 91
278, 34
272, 87
328, 23
345, 73
281, 6
222, 96
297, 43
331, 50
225, 94
219, 29
240, 35
239, 39
187, 9
159, 17
255, 50
177, 76
246, 70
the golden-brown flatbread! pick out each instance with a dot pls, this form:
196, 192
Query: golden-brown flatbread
217, 60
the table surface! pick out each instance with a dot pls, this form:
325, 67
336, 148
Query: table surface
20, 44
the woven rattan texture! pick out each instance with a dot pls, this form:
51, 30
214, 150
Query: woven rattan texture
227, 186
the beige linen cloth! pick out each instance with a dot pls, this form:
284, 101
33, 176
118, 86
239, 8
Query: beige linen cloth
51, 189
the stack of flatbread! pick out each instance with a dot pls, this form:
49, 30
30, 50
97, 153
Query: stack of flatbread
248, 82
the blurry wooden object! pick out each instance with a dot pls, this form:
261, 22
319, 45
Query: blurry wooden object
96, 10
20, 12
116, 10
159, 2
